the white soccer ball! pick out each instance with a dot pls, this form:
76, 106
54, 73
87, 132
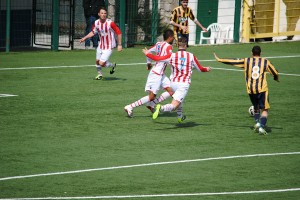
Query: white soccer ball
251, 110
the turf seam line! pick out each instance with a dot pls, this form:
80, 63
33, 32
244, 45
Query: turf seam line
147, 164
163, 195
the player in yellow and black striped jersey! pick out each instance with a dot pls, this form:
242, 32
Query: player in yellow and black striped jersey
179, 20
255, 70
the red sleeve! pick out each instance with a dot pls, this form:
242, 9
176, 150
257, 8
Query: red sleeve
202, 69
158, 58
169, 50
115, 28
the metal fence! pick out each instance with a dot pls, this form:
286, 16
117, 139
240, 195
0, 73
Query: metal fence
31, 22
34, 19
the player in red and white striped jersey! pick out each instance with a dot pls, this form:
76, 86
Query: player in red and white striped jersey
182, 63
156, 78
106, 30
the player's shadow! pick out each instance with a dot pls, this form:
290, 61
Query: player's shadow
267, 128
180, 125
113, 79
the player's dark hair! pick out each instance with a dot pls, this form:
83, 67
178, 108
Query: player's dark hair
168, 33
102, 8
182, 41
256, 50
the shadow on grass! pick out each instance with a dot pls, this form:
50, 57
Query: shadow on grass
267, 128
111, 79
180, 125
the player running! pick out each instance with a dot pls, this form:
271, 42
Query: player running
156, 78
106, 30
182, 63
255, 68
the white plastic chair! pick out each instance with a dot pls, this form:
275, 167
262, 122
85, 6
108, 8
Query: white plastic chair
215, 31
228, 36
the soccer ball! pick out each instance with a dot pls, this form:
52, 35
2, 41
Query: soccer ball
251, 110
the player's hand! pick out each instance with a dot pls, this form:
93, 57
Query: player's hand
184, 28
120, 47
145, 51
149, 66
204, 29
216, 57
208, 69
81, 40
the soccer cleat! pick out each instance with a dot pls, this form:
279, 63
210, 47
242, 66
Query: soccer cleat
113, 69
129, 111
151, 109
99, 77
181, 119
256, 127
156, 112
262, 131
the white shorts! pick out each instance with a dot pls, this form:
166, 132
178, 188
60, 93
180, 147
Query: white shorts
156, 82
103, 55
181, 90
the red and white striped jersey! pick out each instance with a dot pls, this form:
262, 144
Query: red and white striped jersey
182, 64
161, 49
106, 32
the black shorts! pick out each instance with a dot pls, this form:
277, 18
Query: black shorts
260, 100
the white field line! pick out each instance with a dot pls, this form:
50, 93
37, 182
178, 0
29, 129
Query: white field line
162, 195
126, 64
8, 95
148, 164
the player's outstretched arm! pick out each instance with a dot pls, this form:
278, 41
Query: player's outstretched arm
91, 34
231, 61
199, 67
154, 57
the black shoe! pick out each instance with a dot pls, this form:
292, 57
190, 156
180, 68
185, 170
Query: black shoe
113, 69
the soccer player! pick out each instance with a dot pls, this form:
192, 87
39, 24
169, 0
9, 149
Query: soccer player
182, 63
106, 29
179, 20
255, 69
156, 78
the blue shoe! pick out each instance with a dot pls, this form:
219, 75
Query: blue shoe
156, 112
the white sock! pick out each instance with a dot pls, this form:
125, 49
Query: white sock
140, 102
162, 97
109, 64
167, 108
99, 70
179, 111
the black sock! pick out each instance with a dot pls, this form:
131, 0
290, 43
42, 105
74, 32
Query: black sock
263, 121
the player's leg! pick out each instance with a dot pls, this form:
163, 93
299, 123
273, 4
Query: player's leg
256, 116
178, 97
166, 84
176, 38
264, 106
187, 38
104, 60
180, 116
152, 87
98, 66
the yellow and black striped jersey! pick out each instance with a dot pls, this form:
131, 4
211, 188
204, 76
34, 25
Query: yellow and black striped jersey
255, 69
181, 16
